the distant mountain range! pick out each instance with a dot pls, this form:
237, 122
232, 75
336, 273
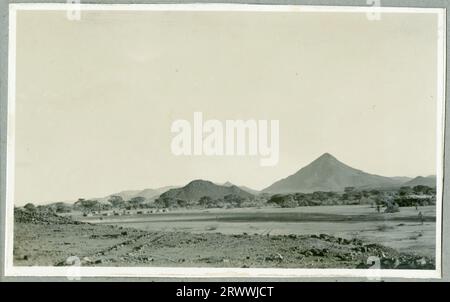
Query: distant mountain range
148, 194
196, 189
327, 173
244, 188
402, 179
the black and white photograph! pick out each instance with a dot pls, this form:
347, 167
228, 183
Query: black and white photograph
222, 140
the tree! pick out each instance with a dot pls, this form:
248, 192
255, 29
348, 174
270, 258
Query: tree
138, 200
405, 190
349, 189
116, 201
61, 207
105, 206
205, 201
284, 201
182, 203
374, 192
420, 189
299, 196
233, 199
392, 207
319, 195
87, 204
166, 202
365, 193
289, 202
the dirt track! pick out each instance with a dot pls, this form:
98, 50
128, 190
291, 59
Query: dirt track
106, 245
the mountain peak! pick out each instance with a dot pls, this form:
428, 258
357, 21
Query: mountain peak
325, 162
327, 173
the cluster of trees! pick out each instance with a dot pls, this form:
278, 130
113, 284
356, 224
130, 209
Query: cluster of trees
417, 190
416, 196
90, 205
169, 202
117, 202
405, 196
228, 201
135, 202
114, 202
58, 207
410, 201
61, 207
349, 196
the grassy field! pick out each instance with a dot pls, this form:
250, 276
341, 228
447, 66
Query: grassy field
402, 231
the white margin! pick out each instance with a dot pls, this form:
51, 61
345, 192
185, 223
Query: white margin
10, 142
196, 272
440, 137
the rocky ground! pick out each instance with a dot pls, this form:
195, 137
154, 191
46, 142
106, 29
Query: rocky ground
46, 239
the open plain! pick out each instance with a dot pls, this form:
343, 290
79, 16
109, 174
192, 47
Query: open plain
303, 237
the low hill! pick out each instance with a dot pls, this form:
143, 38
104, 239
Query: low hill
429, 181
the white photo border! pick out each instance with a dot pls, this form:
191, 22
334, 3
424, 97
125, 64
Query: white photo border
202, 272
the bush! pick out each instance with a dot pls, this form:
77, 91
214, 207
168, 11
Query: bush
206, 201
116, 201
284, 201
170, 202
234, 200
392, 208
420, 189
411, 201
88, 205
137, 201
61, 207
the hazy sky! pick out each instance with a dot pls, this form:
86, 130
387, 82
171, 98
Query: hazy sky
96, 98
